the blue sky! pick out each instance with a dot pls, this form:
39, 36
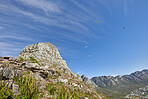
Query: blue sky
89, 47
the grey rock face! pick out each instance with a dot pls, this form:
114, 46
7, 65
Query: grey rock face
32, 65
145, 97
1, 65
76, 76
45, 54
88, 81
11, 59
15, 89
63, 80
9, 73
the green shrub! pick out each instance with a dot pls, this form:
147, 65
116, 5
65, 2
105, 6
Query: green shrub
50, 88
64, 92
58, 73
5, 92
28, 88
6, 64
28, 71
54, 76
34, 60
22, 59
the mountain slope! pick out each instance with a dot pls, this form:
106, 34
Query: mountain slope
141, 92
122, 84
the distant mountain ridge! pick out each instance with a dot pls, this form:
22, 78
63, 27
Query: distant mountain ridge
107, 81
123, 84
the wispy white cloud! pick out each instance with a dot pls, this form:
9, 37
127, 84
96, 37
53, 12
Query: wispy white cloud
82, 7
75, 26
125, 7
128, 5
106, 5
11, 8
10, 48
86, 46
64, 23
78, 29
16, 37
1, 27
46, 6
89, 55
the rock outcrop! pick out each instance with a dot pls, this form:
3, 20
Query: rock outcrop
88, 81
45, 54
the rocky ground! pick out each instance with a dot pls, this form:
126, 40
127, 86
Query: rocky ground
39, 72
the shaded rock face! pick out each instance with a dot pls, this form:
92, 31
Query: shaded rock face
88, 81
9, 73
45, 54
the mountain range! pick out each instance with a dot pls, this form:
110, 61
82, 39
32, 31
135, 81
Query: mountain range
120, 86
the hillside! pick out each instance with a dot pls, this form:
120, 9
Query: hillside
39, 72
139, 93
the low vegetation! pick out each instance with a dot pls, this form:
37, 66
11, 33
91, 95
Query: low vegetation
22, 59
4, 91
28, 88
63, 92
17, 82
34, 60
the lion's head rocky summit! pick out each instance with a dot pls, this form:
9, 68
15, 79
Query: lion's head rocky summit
46, 54
42, 64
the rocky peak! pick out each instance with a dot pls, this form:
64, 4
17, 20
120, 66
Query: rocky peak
46, 54
83, 76
88, 81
